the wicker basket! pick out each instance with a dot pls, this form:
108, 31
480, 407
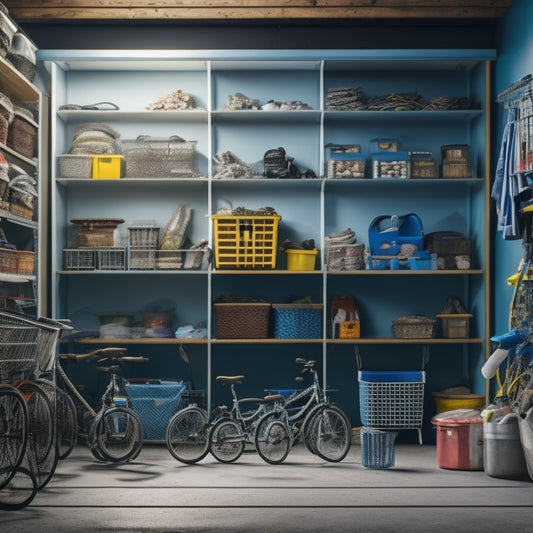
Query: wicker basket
21, 211
8, 261
22, 134
25, 262
413, 327
242, 320
96, 231
6, 116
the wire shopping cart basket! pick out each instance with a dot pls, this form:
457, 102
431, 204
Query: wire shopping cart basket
26, 345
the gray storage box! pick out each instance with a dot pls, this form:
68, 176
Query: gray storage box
150, 157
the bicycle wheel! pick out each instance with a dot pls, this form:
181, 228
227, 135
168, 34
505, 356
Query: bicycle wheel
226, 442
42, 444
331, 431
20, 491
66, 417
187, 433
118, 434
272, 439
13, 432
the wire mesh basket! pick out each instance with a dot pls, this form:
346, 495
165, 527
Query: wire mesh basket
144, 236
111, 258
140, 258
392, 400
26, 344
79, 259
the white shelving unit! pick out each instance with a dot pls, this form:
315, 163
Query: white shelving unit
309, 208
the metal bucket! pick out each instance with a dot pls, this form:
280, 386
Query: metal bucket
503, 455
526, 437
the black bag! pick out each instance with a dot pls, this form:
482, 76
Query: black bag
278, 165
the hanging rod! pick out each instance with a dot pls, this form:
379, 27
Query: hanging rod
517, 90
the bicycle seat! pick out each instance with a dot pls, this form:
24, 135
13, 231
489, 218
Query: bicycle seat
229, 380
274, 398
254, 400
111, 352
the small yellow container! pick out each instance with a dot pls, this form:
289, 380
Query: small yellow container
450, 402
350, 329
107, 167
301, 259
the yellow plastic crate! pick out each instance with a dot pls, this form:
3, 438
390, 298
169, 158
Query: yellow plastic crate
107, 167
245, 241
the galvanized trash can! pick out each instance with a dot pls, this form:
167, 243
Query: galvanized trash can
503, 455
526, 437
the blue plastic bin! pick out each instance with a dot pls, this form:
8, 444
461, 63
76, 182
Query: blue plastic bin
155, 403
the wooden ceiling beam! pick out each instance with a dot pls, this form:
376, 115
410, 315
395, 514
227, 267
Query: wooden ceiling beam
26, 10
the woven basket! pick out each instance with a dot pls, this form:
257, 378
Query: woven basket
413, 327
242, 320
8, 261
21, 210
25, 262
23, 65
96, 231
22, 134
6, 116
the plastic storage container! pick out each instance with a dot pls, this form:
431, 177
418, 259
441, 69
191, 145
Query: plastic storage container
387, 233
390, 165
503, 455
377, 448
459, 440
107, 167
245, 241
301, 259
297, 321
345, 161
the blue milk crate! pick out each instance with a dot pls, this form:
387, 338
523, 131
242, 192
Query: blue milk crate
297, 321
155, 403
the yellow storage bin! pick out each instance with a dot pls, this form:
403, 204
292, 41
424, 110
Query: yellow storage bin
450, 402
301, 259
245, 241
107, 167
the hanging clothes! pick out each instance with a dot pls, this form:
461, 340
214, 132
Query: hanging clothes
506, 186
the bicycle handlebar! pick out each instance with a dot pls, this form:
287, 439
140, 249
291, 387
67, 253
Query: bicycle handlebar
110, 352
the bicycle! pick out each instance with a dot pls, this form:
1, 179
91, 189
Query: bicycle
187, 435
27, 414
114, 431
229, 435
324, 428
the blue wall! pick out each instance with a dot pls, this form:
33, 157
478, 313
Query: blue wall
515, 60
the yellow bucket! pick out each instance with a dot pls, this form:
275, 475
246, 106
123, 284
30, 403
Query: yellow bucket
301, 259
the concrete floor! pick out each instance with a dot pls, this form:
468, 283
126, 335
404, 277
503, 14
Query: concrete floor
304, 494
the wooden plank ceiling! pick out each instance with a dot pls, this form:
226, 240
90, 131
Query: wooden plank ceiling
220, 10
